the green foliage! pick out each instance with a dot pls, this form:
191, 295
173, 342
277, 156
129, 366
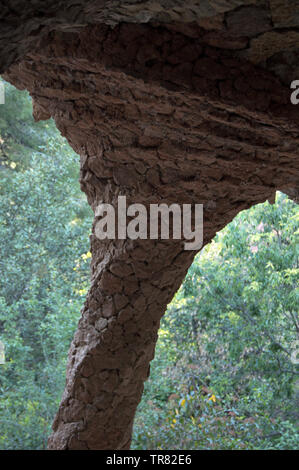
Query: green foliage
229, 334
44, 225
20, 136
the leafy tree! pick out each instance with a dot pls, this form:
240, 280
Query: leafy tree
227, 343
44, 226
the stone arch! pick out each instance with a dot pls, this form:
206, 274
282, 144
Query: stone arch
168, 111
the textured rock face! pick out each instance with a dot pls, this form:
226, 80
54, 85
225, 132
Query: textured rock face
191, 107
263, 31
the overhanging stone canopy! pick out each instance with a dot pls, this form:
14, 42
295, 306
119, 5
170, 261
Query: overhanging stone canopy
164, 101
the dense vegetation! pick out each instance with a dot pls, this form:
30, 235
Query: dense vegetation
225, 374
44, 229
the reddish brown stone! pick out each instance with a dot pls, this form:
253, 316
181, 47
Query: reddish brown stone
249, 21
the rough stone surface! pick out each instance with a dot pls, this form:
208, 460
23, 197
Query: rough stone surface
23, 21
168, 111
